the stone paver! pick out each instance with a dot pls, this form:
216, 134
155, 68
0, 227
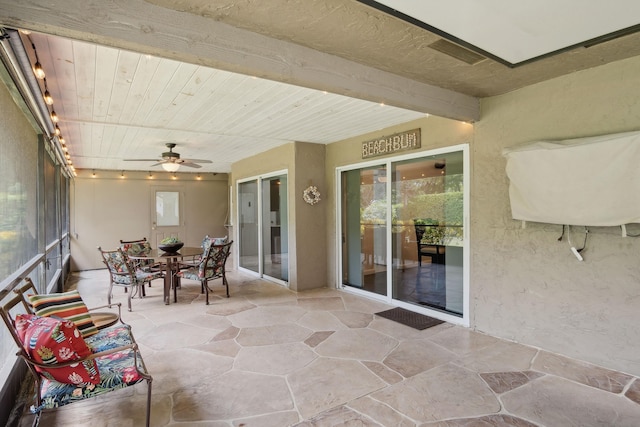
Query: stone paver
327, 383
356, 344
232, 395
555, 401
436, 395
412, 357
584, 373
501, 382
278, 359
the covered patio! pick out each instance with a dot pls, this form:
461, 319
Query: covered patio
268, 356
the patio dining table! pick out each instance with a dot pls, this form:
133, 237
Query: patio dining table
170, 261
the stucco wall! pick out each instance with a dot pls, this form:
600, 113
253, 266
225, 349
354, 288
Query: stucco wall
525, 284
106, 209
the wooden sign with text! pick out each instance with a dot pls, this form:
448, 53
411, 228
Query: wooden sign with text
403, 141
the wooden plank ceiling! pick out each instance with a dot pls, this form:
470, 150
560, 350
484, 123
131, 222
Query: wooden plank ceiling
117, 104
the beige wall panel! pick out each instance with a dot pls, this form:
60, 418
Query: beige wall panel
107, 209
311, 249
525, 285
276, 159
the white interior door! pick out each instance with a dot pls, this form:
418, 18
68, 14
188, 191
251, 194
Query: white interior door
167, 215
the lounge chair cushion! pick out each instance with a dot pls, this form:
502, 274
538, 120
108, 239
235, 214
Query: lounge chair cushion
68, 305
50, 340
111, 337
117, 370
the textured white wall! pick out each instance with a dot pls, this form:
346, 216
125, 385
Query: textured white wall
525, 285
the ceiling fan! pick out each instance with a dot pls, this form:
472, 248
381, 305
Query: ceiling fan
171, 161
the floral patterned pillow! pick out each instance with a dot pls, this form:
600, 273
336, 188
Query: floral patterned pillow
50, 340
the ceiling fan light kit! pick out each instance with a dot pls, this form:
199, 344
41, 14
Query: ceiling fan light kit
171, 161
171, 167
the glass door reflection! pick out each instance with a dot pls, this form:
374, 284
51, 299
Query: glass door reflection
427, 232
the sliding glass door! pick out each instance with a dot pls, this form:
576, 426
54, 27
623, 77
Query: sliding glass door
364, 222
263, 226
275, 250
403, 234
248, 226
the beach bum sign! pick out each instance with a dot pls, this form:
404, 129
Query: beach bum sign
403, 141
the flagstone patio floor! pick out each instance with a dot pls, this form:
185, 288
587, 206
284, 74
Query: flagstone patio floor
268, 356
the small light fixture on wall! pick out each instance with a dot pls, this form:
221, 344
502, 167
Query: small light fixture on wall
198, 177
150, 175
93, 173
122, 175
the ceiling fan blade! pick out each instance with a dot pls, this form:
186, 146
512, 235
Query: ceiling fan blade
172, 157
190, 165
197, 160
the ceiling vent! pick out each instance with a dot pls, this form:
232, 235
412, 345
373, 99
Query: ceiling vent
457, 52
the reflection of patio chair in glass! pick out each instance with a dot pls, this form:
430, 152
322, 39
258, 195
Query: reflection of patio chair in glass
366, 246
429, 241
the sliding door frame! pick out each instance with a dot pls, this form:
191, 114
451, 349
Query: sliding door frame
463, 320
259, 179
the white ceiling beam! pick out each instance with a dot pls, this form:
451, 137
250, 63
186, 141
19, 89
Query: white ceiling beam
140, 26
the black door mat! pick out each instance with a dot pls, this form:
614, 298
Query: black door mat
410, 318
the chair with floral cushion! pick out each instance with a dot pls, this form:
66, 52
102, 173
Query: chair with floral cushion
212, 266
124, 273
206, 242
68, 367
137, 247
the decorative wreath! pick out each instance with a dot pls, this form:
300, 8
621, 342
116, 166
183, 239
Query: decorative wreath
311, 195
